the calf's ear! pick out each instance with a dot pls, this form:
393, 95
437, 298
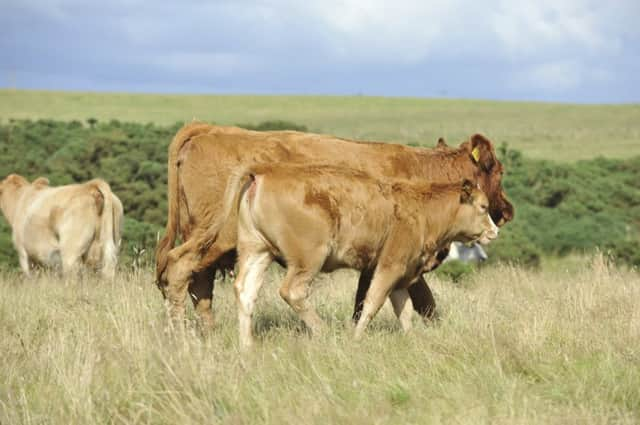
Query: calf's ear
482, 152
466, 193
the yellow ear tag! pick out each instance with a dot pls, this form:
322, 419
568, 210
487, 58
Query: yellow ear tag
475, 153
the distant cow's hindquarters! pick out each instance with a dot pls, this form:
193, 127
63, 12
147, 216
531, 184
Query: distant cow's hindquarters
63, 227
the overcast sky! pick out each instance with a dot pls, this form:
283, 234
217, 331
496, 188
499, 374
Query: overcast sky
552, 50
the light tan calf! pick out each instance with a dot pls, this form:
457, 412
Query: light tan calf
63, 226
320, 218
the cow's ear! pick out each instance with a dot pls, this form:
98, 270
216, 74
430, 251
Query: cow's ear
17, 180
41, 182
467, 191
441, 143
481, 152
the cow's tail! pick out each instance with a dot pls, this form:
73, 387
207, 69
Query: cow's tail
173, 192
110, 222
200, 242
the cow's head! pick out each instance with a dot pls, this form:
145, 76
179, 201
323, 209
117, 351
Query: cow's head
473, 221
489, 176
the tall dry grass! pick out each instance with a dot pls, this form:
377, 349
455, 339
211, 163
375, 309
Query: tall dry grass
512, 346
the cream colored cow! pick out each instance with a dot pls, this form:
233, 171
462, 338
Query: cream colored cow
62, 227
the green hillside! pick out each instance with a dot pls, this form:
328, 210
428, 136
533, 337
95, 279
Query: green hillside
540, 130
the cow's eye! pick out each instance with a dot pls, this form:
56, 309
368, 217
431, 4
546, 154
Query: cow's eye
484, 207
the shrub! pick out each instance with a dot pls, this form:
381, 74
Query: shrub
454, 270
560, 208
274, 125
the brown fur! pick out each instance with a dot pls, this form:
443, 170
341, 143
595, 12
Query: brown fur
202, 157
398, 235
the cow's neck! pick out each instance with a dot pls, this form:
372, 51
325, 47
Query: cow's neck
451, 165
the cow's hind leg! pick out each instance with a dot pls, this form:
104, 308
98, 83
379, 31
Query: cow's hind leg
295, 291
402, 307
74, 244
252, 268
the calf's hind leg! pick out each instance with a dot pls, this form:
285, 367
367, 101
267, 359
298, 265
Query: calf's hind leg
295, 291
252, 268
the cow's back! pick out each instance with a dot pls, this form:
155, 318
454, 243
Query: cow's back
207, 160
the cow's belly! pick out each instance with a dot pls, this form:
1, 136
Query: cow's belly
357, 257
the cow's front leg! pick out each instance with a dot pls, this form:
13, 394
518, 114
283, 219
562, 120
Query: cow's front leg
363, 286
402, 307
201, 293
179, 272
422, 299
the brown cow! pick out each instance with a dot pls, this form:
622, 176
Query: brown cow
321, 218
63, 226
202, 156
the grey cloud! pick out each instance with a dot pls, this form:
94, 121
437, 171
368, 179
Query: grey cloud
458, 48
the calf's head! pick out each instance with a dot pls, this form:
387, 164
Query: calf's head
473, 221
488, 173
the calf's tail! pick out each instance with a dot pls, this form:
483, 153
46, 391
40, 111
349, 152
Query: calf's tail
200, 242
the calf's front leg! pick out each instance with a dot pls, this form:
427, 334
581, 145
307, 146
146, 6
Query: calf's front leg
384, 280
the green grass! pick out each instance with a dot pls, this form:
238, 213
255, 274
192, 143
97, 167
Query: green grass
512, 347
541, 130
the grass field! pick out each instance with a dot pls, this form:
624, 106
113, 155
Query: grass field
511, 347
541, 130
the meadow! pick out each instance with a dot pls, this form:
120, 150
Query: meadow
510, 347
560, 132
553, 339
